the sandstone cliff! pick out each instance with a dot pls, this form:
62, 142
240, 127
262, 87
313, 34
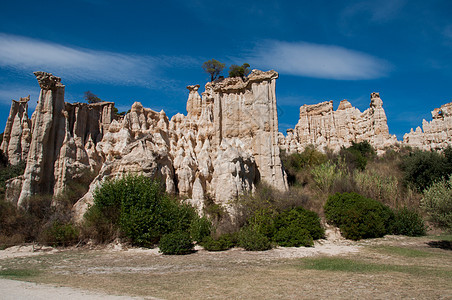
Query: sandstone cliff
436, 134
17, 134
324, 128
223, 147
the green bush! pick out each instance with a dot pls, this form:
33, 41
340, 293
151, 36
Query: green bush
356, 155
408, 222
293, 236
358, 217
139, 207
437, 202
252, 240
176, 243
200, 228
60, 234
423, 168
300, 218
325, 175
222, 243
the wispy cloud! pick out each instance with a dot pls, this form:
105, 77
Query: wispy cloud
379, 11
81, 64
318, 61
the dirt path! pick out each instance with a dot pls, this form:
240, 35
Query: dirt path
13, 290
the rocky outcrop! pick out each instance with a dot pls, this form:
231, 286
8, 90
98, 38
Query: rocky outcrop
17, 134
436, 134
222, 148
63, 140
321, 126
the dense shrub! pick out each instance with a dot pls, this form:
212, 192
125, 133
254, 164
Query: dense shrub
357, 155
422, 168
293, 236
222, 243
200, 228
60, 234
358, 217
437, 202
252, 240
408, 222
300, 218
139, 207
325, 175
295, 164
176, 243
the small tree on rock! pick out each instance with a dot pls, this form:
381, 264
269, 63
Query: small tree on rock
213, 67
239, 71
91, 98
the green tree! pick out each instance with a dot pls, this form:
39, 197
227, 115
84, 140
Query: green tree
214, 68
239, 71
91, 98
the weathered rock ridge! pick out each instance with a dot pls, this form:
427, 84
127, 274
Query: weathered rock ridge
223, 147
436, 134
321, 126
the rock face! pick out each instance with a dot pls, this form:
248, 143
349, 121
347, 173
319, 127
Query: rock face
223, 147
17, 134
321, 126
436, 134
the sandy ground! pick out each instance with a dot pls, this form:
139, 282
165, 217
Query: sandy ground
13, 290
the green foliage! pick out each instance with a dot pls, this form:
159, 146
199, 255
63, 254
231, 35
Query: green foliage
356, 155
325, 175
296, 163
200, 228
213, 67
252, 240
408, 222
300, 218
437, 202
222, 243
293, 236
9, 171
176, 243
239, 71
422, 168
60, 234
358, 217
91, 98
371, 184
139, 207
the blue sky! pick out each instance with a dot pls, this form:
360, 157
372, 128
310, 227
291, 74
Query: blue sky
149, 51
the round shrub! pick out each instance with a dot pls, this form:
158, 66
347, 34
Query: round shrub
222, 243
200, 229
60, 234
176, 243
139, 207
408, 222
252, 240
358, 217
293, 236
299, 217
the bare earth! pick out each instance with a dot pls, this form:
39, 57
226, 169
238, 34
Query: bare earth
391, 267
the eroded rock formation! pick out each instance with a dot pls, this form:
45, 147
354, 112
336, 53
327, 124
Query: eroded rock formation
321, 126
223, 147
17, 134
436, 134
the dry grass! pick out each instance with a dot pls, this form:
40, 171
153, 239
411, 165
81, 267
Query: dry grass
392, 267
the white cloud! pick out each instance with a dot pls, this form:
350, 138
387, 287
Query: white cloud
81, 64
318, 61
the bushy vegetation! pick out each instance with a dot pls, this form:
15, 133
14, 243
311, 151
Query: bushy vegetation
221, 243
437, 202
423, 168
176, 243
408, 222
138, 208
358, 217
252, 240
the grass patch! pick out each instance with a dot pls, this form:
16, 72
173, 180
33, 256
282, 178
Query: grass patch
18, 273
335, 264
402, 251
